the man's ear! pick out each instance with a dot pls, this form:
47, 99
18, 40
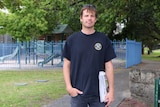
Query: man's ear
80, 19
96, 20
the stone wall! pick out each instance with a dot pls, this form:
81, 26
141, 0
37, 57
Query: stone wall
142, 79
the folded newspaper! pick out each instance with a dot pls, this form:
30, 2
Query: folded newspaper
102, 86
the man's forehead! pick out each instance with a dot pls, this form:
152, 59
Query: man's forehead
89, 11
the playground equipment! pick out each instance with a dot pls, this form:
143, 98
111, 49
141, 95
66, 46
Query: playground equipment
43, 51
48, 59
48, 51
5, 57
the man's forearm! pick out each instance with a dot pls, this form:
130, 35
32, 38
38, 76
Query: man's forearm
66, 73
110, 75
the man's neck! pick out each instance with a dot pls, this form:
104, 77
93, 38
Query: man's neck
88, 31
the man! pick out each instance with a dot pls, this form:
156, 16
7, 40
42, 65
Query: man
85, 54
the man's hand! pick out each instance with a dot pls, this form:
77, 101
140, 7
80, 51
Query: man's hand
109, 98
74, 92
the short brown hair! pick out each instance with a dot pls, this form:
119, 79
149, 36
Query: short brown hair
88, 7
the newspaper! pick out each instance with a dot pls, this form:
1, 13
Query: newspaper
102, 86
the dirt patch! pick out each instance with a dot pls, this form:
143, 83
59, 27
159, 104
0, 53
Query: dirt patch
130, 102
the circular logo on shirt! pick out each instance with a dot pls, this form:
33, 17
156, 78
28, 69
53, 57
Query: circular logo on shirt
98, 46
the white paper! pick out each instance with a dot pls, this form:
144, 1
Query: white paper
102, 86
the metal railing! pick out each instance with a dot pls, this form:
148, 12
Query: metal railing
39, 53
157, 93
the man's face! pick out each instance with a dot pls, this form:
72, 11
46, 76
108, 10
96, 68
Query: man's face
88, 19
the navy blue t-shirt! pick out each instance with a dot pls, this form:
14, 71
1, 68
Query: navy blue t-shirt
87, 54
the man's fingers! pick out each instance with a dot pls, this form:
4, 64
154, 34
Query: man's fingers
79, 92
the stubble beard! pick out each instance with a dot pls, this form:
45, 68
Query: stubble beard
88, 27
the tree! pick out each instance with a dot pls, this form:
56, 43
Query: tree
142, 22
29, 19
1, 4
32, 18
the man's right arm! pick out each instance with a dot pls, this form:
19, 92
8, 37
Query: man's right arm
66, 73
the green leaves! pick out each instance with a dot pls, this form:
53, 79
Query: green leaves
28, 21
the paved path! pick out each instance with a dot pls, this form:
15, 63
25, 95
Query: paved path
121, 91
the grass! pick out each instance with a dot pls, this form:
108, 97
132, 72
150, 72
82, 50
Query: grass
34, 94
154, 56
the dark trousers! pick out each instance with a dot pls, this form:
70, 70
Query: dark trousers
81, 101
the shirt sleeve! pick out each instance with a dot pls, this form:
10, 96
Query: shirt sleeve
66, 51
109, 51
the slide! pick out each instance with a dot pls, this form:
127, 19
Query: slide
2, 58
48, 59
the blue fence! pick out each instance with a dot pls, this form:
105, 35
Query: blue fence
120, 49
7, 49
133, 53
40, 53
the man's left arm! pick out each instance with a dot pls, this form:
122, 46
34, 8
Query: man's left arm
110, 77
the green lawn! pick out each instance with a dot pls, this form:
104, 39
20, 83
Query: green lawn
14, 93
154, 56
